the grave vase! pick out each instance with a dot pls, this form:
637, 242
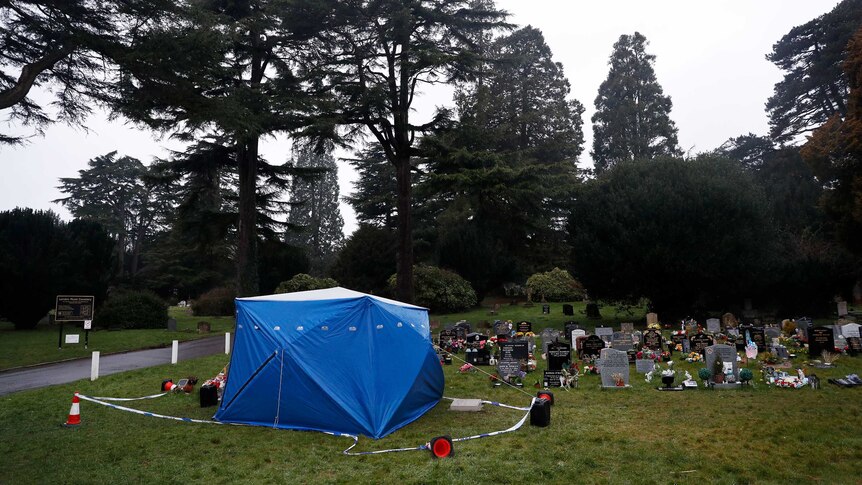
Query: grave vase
667, 380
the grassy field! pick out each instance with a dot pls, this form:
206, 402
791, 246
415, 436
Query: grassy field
638, 435
21, 348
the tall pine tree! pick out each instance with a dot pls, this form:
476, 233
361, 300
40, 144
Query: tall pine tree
314, 219
632, 118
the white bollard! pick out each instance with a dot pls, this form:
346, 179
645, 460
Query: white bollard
227, 342
175, 348
94, 366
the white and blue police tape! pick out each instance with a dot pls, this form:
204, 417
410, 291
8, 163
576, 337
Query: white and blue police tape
147, 413
129, 398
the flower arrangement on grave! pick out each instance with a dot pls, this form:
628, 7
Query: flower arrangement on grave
519, 334
647, 354
467, 368
618, 379
704, 374
788, 381
828, 358
662, 372
788, 326
694, 357
665, 356
654, 326
793, 344
494, 378
516, 379
721, 338
745, 375
590, 369
488, 344
530, 334
678, 348
768, 358
531, 362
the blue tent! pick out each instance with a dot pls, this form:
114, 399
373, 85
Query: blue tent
330, 360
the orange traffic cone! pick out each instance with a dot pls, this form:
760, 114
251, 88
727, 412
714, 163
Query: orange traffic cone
74, 413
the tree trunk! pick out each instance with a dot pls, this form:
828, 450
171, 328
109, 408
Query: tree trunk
246, 253
404, 278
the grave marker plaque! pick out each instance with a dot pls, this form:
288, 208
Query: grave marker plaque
524, 327
559, 355
642, 366
552, 378
592, 346
820, 339
713, 325
652, 339
614, 362
622, 341
508, 368
514, 350
699, 342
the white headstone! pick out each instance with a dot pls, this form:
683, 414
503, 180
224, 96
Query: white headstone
850, 330
842, 308
651, 318
713, 325
614, 362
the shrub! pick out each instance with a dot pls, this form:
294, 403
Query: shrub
556, 285
132, 309
439, 290
216, 302
305, 282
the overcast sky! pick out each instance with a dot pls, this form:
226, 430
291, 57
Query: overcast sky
709, 60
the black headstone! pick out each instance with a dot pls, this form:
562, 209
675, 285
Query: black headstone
447, 336
592, 310
568, 327
820, 339
477, 356
551, 378
546, 309
514, 350
568, 309
559, 355
854, 345
524, 327
756, 334
699, 342
476, 337
592, 346
679, 339
652, 339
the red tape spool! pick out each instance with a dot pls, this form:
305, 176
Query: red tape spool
442, 447
546, 395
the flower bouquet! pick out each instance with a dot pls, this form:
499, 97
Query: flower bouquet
694, 357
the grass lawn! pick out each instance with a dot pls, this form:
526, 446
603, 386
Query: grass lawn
28, 347
638, 435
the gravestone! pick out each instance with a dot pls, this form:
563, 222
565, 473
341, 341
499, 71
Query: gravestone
699, 342
842, 308
203, 327
605, 333
568, 327
549, 335
568, 309
756, 334
508, 368
502, 328
642, 366
820, 339
651, 318
592, 346
614, 362
637, 337
679, 338
652, 339
578, 334
172, 324
728, 357
803, 324
524, 327
713, 325
446, 336
627, 327
559, 355
772, 332
552, 378
854, 345
622, 341
476, 337
546, 309
514, 350
728, 320
850, 330
477, 356
579, 342
691, 327
592, 311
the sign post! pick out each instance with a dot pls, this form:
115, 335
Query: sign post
74, 308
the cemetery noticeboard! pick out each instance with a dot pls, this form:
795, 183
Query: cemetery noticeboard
73, 308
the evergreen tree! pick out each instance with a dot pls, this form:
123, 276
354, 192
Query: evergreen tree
814, 86
314, 219
373, 197
632, 118
375, 54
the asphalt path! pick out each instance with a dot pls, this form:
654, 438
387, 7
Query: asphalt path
64, 372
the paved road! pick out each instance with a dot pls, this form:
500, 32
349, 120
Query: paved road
64, 372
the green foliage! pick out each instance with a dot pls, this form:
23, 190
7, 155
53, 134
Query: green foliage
215, 302
555, 285
745, 375
632, 118
279, 261
440, 290
814, 87
704, 374
681, 233
304, 282
41, 257
132, 310
366, 260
